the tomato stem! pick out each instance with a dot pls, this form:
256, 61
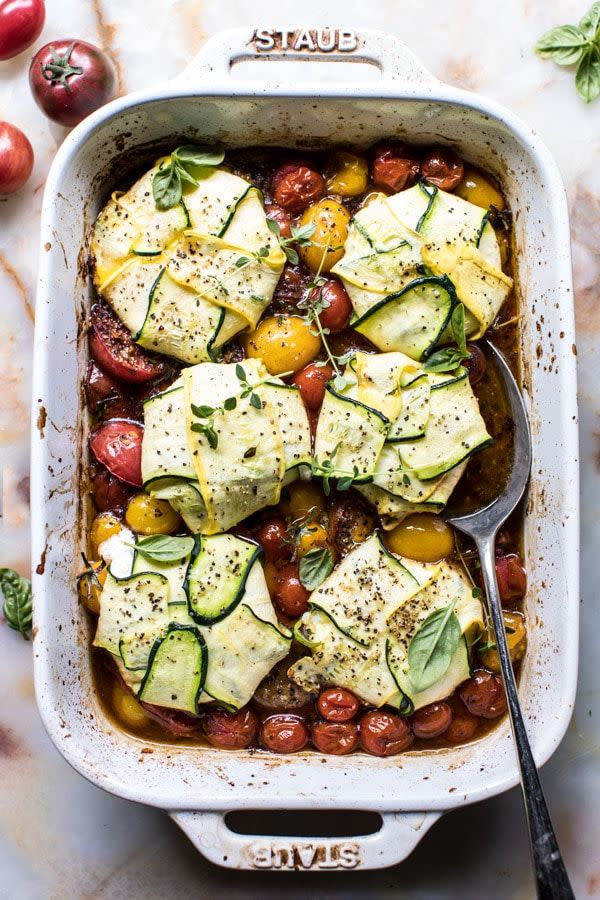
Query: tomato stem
60, 69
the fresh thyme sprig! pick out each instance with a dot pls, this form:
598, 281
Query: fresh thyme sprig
300, 234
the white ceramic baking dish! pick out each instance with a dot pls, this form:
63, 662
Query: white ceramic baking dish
210, 103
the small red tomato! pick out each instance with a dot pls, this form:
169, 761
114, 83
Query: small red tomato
174, 720
16, 158
273, 538
384, 734
432, 720
483, 695
337, 738
337, 306
512, 578
21, 22
100, 387
282, 217
296, 186
117, 444
462, 728
395, 166
69, 79
312, 381
337, 704
443, 168
284, 733
230, 731
475, 363
291, 596
109, 492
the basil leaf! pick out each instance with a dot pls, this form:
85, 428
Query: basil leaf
587, 77
590, 23
198, 156
432, 647
166, 187
164, 547
458, 328
565, 45
17, 607
445, 360
315, 566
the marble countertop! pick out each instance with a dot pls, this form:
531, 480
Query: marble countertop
62, 837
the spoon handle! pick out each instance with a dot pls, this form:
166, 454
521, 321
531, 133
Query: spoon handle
552, 881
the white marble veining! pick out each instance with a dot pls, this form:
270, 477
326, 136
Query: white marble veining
61, 837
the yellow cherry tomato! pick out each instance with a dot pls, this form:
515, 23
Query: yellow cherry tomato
516, 638
421, 536
128, 709
91, 584
146, 515
284, 343
271, 577
312, 537
326, 246
302, 499
478, 189
347, 174
104, 526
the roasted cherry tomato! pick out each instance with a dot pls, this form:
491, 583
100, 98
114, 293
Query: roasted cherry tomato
462, 728
230, 731
174, 720
483, 695
116, 352
278, 693
117, 444
21, 23
395, 167
516, 638
431, 721
330, 220
337, 738
311, 537
347, 174
512, 579
478, 189
16, 158
284, 733
69, 79
284, 343
442, 167
282, 217
100, 387
384, 734
312, 381
128, 708
104, 526
90, 584
147, 515
351, 522
302, 499
122, 408
291, 596
296, 186
290, 290
421, 536
337, 704
273, 538
337, 306
109, 492
475, 363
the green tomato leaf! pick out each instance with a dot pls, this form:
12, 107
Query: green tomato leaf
315, 566
587, 77
164, 547
432, 647
17, 607
564, 45
166, 187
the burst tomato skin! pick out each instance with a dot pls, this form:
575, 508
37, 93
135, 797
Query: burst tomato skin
69, 79
21, 22
16, 158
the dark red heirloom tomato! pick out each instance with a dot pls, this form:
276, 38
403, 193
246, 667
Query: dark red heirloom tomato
174, 720
337, 305
273, 538
290, 289
431, 721
511, 576
21, 22
16, 158
109, 492
312, 381
337, 704
395, 167
296, 186
442, 167
337, 738
118, 445
291, 596
69, 79
384, 734
282, 217
100, 387
483, 695
230, 731
284, 733
117, 353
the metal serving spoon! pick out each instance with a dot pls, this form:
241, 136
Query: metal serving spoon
482, 525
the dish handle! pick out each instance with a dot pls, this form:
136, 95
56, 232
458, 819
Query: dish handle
398, 836
218, 57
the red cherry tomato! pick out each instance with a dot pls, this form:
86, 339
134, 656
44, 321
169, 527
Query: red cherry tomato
174, 720
282, 217
296, 186
99, 387
273, 538
475, 363
290, 289
109, 493
512, 578
337, 704
118, 445
432, 720
16, 158
230, 731
312, 381
69, 79
384, 734
462, 728
116, 352
337, 738
395, 167
291, 596
338, 307
483, 695
21, 22
443, 168
284, 733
